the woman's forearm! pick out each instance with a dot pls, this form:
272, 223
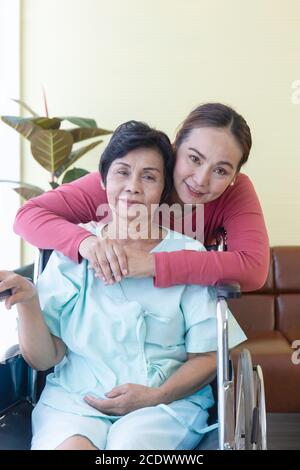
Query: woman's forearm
207, 268
38, 347
198, 371
44, 229
50, 220
195, 373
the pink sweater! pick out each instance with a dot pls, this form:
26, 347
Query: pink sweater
49, 221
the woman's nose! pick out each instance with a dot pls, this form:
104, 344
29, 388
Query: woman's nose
201, 177
133, 186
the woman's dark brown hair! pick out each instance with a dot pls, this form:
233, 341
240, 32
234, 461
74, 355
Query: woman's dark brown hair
221, 116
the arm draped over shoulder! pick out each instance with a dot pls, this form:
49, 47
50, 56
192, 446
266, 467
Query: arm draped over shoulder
50, 221
247, 260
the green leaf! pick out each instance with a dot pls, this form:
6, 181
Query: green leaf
82, 133
75, 155
74, 174
22, 103
27, 193
25, 190
79, 121
51, 148
53, 184
25, 126
47, 123
21, 183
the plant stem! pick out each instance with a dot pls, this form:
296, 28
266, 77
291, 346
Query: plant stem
45, 103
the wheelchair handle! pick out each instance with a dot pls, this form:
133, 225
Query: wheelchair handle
227, 289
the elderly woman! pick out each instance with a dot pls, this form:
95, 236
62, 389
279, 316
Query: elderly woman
132, 362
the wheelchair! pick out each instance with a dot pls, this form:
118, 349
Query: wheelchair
237, 420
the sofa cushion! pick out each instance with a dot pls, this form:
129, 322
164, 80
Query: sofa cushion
288, 316
254, 312
286, 261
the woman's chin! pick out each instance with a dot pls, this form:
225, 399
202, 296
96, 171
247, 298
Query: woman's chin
192, 200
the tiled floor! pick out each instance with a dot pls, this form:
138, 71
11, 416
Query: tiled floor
283, 431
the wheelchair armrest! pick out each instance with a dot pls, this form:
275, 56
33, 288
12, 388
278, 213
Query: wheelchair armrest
14, 381
227, 289
25, 271
13, 369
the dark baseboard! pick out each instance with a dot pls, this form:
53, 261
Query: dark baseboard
283, 431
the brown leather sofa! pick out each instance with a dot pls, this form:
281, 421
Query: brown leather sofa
271, 319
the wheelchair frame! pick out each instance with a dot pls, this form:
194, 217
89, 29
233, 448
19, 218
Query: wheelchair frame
242, 425
242, 418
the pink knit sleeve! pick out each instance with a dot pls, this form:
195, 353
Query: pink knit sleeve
247, 258
50, 220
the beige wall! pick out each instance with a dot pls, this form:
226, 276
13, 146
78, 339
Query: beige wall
154, 60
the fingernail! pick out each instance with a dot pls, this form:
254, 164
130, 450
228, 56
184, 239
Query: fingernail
124, 271
118, 278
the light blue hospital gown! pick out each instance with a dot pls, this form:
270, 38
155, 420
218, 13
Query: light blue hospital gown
129, 332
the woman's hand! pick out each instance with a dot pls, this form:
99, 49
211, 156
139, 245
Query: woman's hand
106, 256
23, 290
140, 262
112, 260
124, 399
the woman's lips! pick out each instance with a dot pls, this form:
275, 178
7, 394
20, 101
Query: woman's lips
130, 202
193, 192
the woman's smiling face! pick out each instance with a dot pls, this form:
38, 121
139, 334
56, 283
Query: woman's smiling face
206, 164
136, 178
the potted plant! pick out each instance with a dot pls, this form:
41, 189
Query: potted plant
52, 147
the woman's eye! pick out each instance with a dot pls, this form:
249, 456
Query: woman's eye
194, 158
149, 178
221, 171
122, 172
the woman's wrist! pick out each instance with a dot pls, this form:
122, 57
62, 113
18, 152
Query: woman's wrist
157, 396
30, 305
86, 245
162, 395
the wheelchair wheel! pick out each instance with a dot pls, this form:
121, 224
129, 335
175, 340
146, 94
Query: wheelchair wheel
245, 402
250, 432
259, 426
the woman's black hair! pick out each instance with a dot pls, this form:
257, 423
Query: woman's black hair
133, 135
